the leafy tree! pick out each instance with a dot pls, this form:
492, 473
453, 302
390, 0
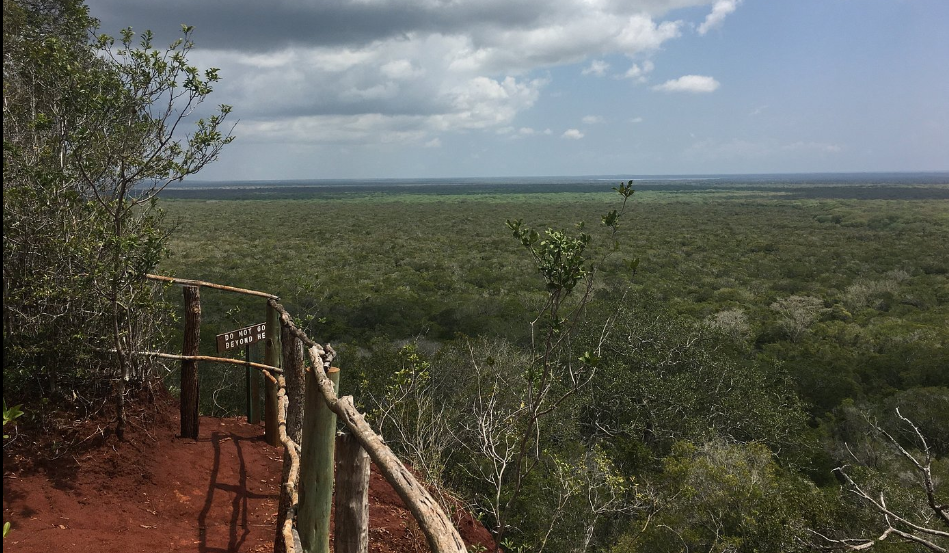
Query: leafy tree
93, 131
510, 438
724, 497
663, 379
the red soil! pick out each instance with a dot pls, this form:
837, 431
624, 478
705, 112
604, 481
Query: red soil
158, 492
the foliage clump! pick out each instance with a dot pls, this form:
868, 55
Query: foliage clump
92, 132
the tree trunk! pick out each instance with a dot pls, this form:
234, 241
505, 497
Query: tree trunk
295, 381
189, 368
352, 496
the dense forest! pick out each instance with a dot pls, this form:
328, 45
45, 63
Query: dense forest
745, 365
734, 345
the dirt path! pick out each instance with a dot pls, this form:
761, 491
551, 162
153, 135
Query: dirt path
157, 492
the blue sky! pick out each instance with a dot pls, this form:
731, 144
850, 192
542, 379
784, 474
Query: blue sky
442, 88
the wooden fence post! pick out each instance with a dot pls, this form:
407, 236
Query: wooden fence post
316, 466
253, 390
295, 382
272, 354
352, 496
189, 369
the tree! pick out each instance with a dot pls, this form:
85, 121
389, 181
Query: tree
509, 435
924, 520
723, 496
797, 313
93, 131
663, 378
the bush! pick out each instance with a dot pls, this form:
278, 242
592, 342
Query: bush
88, 143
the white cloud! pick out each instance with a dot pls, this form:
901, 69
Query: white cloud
640, 33
335, 129
521, 133
401, 69
714, 19
592, 119
596, 67
573, 134
404, 70
434, 143
638, 73
636, 120
570, 39
689, 83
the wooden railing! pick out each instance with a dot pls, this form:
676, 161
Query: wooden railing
308, 392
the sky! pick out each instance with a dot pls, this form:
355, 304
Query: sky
491, 88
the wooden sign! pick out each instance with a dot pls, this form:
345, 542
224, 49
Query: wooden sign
241, 337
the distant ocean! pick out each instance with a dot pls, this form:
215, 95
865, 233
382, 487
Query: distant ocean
880, 186
811, 179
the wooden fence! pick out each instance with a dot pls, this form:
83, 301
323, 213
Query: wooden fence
301, 409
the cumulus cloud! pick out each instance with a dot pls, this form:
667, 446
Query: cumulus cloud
638, 72
592, 119
572, 134
714, 19
689, 83
636, 120
401, 69
596, 67
375, 71
520, 133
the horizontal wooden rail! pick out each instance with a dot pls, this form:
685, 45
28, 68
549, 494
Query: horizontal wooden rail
441, 534
266, 369
288, 321
187, 282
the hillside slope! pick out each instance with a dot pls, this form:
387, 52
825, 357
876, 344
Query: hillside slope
158, 492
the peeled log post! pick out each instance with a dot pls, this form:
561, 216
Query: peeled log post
316, 465
272, 357
295, 381
291, 539
352, 496
189, 368
442, 537
252, 390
